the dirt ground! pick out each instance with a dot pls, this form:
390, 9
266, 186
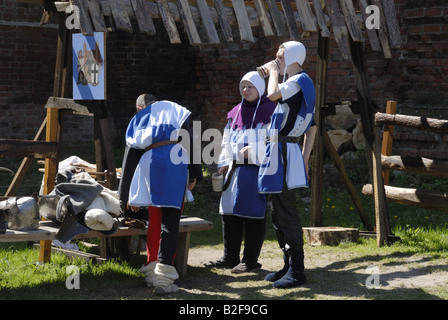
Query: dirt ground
332, 273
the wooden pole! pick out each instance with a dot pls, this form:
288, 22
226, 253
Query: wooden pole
316, 219
53, 128
388, 138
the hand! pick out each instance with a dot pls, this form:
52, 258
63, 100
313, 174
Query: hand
133, 209
245, 152
192, 184
223, 170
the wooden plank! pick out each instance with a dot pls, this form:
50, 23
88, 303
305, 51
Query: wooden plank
243, 20
143, 16
388, 138
207, 21
120, 15
26, 162
84, 18
306, 15
84, 107
382, 31
168, 21
97, 17
321, 19
264, 19
414, 122
187, 18
290, 20
28, 148
348, 11
339, 29
223, 20
48, 230
277, 18
371, 33
392, 24
413, 197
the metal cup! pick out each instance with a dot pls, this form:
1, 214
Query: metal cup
263, 71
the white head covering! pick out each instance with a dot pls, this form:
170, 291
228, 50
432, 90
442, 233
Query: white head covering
254, 78
259, 83
294, 52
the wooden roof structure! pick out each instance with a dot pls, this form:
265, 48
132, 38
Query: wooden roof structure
283, 18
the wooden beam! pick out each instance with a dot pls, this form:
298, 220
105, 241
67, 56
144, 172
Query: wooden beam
98, 22
382, 31
388, 137
26, 162
277, 19
413, 197
371, 33
381, 214
392, 24
339, 29
143, 16
324, 32
306, 16
415, 165
187, 18
83, 107
208, 21
84, 18
223, 20
345, 178
290, 20
264, 19
243, 21
28, 148
414, 122
348, 11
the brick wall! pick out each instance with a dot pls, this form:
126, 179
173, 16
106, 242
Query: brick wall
205, 79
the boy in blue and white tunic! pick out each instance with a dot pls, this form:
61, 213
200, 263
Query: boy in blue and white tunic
285, 166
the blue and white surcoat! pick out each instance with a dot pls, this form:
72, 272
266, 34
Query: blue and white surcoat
160, 178
270, 179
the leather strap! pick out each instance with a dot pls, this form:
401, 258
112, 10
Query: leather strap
160, 144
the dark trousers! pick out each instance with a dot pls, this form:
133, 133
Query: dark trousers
168, 236
285, 217
234, 228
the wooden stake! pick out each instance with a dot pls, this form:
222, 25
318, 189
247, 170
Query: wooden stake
388, 138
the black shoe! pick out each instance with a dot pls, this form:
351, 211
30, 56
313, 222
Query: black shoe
244, 267
220, 263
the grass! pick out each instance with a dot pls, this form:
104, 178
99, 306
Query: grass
423, 235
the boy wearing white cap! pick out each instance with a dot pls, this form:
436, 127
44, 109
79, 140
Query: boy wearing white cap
292, 118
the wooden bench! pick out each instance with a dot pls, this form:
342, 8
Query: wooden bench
47, 231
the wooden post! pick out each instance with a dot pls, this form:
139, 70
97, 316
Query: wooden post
51, 165
53, 128
381, 216
316, 219
388, 131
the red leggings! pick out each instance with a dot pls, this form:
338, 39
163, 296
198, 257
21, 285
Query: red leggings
153, 233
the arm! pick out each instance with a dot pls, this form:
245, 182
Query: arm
308, 143
273, 92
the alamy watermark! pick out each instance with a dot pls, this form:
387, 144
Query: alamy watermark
73, 20
73, 280
373, 280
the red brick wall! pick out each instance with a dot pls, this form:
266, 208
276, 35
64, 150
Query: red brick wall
205, 79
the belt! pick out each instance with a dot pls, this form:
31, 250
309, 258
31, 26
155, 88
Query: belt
282, 139
235, 165
160, 144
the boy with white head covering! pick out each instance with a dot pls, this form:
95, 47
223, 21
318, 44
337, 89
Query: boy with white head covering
242, 207
292, 118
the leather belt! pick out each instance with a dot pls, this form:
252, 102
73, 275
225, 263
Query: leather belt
160, 144
287, 139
